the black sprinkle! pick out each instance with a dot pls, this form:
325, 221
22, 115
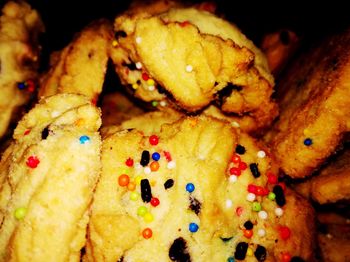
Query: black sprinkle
297, 259
45, 133
248, 225
226, 239
280, 199
240, 149
169, 183
131, 66
241, 250
195, 205
260, 253
255, 170
144, 158
146, 192
178, 251
120, 34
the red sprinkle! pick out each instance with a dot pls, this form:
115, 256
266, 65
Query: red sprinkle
286, 257
259, 191
184, 23
129, 162
252, 188
147, 233
30, 85
167, 155
271, 178
155, 201
284, 232
153, 140
32, 162
235, 171
145, 76
27, 132
265, 191
236, 159
239, 211
242, 166
248, 233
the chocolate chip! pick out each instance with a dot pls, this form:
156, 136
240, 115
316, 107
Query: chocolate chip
260, 253
240, 149
45, 133
169, 183
178, 251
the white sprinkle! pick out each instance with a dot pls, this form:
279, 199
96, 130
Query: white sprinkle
251, 197
235, 124
55, 114
163, 103
261, 232
151, 88
147, 170
138, 65
171, 165
262, 214
233, 179
138, 40
261, 154
228, 203
189, 68
138, 166
279, 211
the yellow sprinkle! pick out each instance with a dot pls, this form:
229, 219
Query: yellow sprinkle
114, 43
249, 252
134, 196
135, 86
148, 217
153, 182
150, 82
137, 180
306, 132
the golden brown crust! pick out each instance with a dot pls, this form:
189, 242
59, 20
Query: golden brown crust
81, 66
314, 99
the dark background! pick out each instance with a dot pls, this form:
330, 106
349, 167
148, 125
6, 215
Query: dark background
311, 21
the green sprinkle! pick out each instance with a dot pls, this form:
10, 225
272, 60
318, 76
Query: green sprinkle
141, 211
256, 206
271, 196
20, 213
134, 196
154, 103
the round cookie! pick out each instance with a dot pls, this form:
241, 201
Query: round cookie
47, 177
195, 59
195, 190
20, 26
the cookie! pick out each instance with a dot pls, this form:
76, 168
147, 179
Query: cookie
81, 66
194, 190
313, 97
20, 26
47, 178
196, 58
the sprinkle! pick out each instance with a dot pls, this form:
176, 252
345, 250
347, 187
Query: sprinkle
171, 165
260, 253
138, 65
150, 82
84, 139
261, 232
154, 103
21, 85
262, 214
151, 88
147, 170
134, 196
141, 211
123, 180
135, 86
169, 183
271, 178
239, 211
144, 158
236, 159
30, 85
228, 203
242, 166
232, 179
280, 199
145, 76
250, 197
231, 259
146, 192
131, 186
155, 201
20, 213
193, 227
147, 233
254, 169
252, 188
308, 142
155, 156
189, 68
248, 225
261, 154
148, 217
235, 171
153, 140
249, 252
286, 257
256, 206
195, 205
248, 233
241, 250
279, 211
240, 149
190, 187
32, 161
163, 103
129, 162
284, 232
137, 180
114, 43
154, 166
271, 196
138, 40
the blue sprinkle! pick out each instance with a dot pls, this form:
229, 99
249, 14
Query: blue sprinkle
155, 156
193, 227
231, 259
190, 187
308, 142
84, 139
21, 85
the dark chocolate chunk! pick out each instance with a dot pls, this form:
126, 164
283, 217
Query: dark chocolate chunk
145, 158
241, 250
248, 225
178, 251
254, 169
169, 183
45, 133
260, 253
240, 149
146, 192
280, 198
195, 205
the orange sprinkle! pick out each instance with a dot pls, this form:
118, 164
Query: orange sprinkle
154, 166
147, 233
123, 180
131, 186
